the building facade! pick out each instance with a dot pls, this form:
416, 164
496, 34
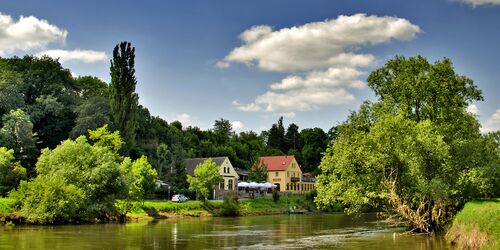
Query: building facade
285, 172
228, 187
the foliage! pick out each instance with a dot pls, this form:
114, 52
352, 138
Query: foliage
258, 173
416, 152
17, 133
11, 172
123, 99
311, 195
6, 205
84, 181
206, 175
276, 195
140, 178
230, 207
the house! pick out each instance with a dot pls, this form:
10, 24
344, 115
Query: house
243, 174
285, 172
226, 169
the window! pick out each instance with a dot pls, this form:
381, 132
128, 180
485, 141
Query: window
221, 185
230, 184
276, 173
287, 174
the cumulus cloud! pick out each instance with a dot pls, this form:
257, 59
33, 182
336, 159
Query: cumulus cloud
184, 118
319, 45
252, 107
324, 56
87, 56
27, 33
475, 3
492, 123
237, 125
473, 109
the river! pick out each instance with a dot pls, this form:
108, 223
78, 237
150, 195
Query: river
325, 231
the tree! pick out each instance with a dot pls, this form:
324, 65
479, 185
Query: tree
76, 181
293, 138
123, 99
276, 136
206, 176
415, 153
223, 128
258, 173
140, 178
17, 133
315, 143
11, 172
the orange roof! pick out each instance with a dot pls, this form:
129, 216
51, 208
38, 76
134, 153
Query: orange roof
276, 163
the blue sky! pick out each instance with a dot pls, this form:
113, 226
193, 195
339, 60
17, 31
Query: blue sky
252, 61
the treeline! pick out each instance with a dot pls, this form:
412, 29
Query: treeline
42, 104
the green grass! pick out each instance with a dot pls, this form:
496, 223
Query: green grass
6, 205
260, 205
477, 223
266, 205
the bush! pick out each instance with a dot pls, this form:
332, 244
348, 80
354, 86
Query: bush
276, 195
310, 195
230, 207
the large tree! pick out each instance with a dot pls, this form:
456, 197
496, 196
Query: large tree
416, 152
123, 99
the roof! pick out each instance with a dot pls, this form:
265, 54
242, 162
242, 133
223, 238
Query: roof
276, 163
240, 171
190, 164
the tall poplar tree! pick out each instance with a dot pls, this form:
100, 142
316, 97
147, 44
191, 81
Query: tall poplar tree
123, 99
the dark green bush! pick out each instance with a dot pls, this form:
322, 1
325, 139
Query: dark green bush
276, 195
230, 207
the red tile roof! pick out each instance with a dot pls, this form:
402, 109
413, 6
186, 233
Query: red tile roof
276, 163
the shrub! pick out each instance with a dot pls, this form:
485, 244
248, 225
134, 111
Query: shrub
230, 207
276, 195
310, 195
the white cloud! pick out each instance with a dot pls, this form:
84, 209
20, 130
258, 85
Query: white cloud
184, 118
475, 3
325, 57
87, 56
222, 65
492, 123
237, 125
319, 45
27, 33
252, 107
473, 109
333, 77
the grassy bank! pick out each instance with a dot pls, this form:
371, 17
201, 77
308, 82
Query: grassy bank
257, 206
477, 225
154, 209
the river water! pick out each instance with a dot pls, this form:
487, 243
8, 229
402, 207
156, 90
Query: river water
325, 231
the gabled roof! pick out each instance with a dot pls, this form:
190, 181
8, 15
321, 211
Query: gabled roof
276, 163
190, 164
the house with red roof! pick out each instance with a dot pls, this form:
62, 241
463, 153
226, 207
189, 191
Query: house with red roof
285, 172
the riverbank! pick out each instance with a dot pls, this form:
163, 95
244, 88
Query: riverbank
152, 209
477, 226
160, 209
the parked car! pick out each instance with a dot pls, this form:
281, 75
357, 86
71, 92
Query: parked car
179, 198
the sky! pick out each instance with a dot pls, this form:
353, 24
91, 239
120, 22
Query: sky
251, 62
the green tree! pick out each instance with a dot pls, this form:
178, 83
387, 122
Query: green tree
76, 182
258, 173
206, 176
416, 152
17, 133
11, 172
276, 136
123, 99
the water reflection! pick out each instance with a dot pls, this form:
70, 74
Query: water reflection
262, 232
